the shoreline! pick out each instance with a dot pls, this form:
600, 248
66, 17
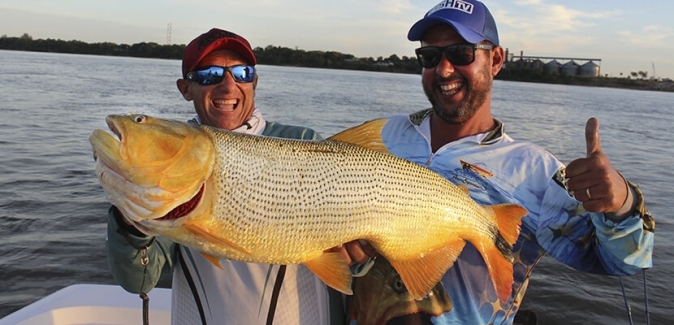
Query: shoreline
281, 56
523, 75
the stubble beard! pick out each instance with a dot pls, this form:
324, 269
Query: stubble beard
478, 91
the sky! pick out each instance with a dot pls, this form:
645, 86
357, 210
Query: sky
627, 36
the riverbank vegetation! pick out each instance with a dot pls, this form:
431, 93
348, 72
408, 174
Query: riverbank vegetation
284, 56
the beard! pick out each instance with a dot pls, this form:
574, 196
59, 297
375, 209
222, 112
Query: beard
478, 90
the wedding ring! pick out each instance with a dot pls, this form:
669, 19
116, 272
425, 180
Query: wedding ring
587, 191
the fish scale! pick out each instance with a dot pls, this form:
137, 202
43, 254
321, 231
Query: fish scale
350, 180
281, 201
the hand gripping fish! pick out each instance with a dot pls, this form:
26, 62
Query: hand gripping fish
279, 201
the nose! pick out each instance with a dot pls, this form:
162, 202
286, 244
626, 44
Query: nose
227, 81
444, 67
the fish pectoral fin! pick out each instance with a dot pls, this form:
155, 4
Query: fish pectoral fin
211, 237
367, 135
420, 275
214, 260
333, 270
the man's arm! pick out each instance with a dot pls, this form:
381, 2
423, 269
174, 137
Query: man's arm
623, 226
625, 240
136, 261
589, 241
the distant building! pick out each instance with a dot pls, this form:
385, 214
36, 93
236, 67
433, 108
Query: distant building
589, 69
569, 66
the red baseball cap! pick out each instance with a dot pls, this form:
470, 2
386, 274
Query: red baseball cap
215, 39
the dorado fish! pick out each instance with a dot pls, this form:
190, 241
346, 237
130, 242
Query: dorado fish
279, 201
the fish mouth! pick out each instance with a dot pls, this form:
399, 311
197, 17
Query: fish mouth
105, 145
113, 129
185, 208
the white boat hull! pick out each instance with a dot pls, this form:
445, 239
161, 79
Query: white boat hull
93, 304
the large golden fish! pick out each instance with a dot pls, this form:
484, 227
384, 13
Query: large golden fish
279, 201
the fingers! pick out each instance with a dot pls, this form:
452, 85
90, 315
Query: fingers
357, 251
360, 251
592, 137
593, 180
588, 194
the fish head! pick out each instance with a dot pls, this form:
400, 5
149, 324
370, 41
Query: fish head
153, 165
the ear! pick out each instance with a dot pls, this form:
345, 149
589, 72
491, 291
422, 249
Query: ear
184, 88
255, 82
497, 59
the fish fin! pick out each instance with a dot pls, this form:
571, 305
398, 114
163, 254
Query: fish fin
208, 235
508, 220
498, 255
420, 275
332, 269
367, 135
500, 269
464, 189
214, 260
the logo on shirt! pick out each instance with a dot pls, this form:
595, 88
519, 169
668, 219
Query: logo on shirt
460, 5
475, 169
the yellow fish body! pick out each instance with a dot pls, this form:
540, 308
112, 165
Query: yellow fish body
280, 201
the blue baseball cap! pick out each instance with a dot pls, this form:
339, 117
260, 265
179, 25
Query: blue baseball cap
470, 18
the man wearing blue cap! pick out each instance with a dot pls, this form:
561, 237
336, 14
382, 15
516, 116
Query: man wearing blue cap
585, 215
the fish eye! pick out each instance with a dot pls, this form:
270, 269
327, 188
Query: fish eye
398, 285
139, 118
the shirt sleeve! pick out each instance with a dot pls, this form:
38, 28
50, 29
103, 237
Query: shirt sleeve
126, 251
589, 241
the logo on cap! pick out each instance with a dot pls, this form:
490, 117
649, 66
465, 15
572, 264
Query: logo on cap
464, 6
214, 35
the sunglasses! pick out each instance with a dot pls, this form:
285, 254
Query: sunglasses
460, 54
215, 74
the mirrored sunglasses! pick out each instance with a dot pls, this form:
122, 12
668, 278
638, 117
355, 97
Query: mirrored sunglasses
460, 54
215, 74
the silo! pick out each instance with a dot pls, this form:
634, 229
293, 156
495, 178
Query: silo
537, 64
552, 66
570, 68
521, 63
589, 69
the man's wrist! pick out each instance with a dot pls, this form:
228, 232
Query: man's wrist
637, 206
124, 227
627, 209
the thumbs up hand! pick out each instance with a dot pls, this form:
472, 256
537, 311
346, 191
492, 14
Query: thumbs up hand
593, 180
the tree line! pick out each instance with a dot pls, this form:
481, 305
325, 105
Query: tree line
284, 56
270, 55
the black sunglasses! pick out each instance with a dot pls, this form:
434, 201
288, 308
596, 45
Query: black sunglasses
215, 74
460, 54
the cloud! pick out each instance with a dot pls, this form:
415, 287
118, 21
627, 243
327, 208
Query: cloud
652, 36
542, 19
394, 6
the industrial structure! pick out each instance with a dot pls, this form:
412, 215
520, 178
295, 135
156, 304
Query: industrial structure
569, 66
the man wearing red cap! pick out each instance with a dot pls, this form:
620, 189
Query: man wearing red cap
585, 215
219, 77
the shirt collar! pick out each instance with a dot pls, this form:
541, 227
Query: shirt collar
421, 120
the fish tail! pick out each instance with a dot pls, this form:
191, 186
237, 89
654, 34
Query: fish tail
500, 270
508, 219
498, 255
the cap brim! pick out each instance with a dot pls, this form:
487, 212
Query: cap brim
418, 30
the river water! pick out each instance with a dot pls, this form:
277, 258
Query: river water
53, 212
